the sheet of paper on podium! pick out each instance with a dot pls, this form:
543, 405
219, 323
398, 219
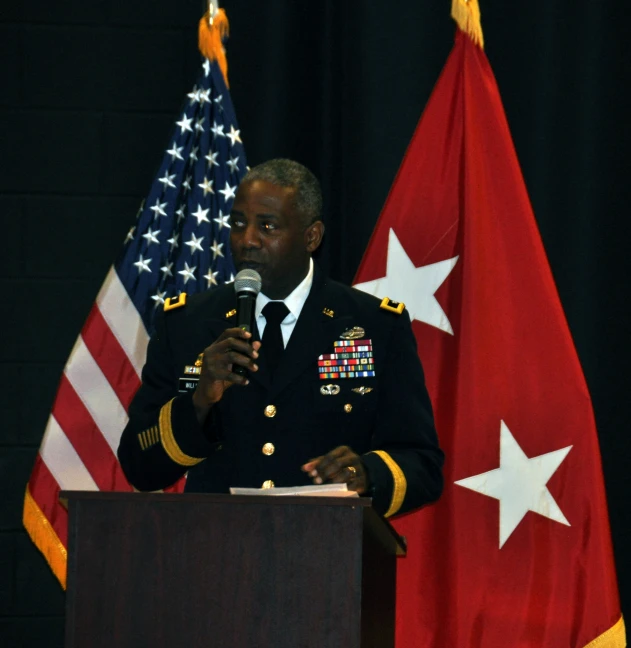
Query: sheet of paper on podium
323, 490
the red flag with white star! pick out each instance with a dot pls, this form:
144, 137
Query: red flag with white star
517, 552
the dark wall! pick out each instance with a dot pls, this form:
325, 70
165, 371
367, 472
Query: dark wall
89, 93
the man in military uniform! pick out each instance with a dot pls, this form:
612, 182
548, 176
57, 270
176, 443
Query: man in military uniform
344, 401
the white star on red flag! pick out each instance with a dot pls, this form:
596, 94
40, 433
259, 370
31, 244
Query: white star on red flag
413, 286
519, 484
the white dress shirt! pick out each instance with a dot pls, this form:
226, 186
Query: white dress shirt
294, 302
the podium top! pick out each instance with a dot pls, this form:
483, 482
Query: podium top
378, 526
219, 498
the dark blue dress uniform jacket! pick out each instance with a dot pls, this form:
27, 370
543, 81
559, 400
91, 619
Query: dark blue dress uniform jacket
390, 426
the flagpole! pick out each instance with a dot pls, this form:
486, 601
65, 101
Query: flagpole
213, 8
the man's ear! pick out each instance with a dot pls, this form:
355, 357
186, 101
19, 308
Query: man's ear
313, 236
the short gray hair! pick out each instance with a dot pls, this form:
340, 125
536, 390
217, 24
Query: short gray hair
287, 173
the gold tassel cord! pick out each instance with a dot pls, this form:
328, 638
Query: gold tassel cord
213, 29
466, 13
45, 538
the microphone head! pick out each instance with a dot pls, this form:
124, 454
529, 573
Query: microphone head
248, 280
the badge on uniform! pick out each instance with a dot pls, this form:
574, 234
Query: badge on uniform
354, 333
196, 369
351, 358
189, 383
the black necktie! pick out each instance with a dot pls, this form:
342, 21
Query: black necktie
272, 343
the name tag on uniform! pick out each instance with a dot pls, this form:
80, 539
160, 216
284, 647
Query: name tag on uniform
187, 384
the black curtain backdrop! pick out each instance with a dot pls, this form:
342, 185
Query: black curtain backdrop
88, 98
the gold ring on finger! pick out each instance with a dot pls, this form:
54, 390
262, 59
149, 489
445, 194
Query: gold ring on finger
352, 470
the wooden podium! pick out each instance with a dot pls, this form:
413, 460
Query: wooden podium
221, 571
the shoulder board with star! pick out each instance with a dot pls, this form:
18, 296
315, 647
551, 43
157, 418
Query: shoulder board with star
175, 302
392, 306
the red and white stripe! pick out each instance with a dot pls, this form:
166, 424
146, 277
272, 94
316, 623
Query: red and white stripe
78, 451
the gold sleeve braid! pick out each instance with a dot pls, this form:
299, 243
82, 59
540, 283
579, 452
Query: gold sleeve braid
400, 483
148, 438
168, 440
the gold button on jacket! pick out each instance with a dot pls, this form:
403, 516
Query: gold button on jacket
270, 411
268, 483
268, 449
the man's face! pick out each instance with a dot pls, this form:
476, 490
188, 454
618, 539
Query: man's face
267, 235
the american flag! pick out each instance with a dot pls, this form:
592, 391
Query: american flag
180, 243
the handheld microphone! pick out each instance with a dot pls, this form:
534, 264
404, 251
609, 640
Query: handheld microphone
247, 285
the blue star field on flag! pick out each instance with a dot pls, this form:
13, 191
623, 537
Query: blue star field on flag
180, 242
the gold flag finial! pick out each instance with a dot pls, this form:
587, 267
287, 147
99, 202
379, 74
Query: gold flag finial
466, 13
